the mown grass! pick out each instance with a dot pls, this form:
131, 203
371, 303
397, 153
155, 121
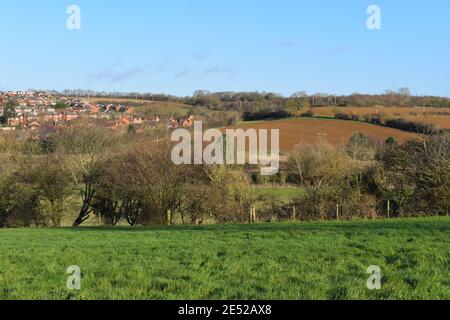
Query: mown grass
261, 261
279, 193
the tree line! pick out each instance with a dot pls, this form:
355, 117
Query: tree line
94, 175
90, 175
367, 178
255, 101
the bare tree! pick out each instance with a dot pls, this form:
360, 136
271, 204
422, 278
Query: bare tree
422, 168
86, 149
317, 165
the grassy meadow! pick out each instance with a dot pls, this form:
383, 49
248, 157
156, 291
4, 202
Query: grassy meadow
320, 260
279, 193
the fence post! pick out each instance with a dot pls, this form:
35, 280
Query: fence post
254, 214
389, 209
294, 214
337, 211
169, 217
251, 215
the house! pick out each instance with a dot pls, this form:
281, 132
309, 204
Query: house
125, 121
95, 109
182, 122
189, 122
173, 124
150, 123
34, 125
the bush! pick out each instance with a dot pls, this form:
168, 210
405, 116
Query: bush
308, 114
60, 105
271, 209
229, 198
349, 117
418, 175
361, 147
317, 165
411, 126
22, 208
382, 119
327, 203
266, 115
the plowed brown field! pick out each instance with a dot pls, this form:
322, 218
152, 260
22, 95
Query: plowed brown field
310, 131
429, 115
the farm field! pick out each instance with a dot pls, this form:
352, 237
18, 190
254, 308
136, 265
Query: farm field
430, 115
321, 260
310, 131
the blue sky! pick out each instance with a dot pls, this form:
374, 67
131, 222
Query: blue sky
179, 46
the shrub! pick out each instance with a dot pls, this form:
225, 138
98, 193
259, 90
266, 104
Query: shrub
418, 175
336, 202
317, 165
361, 147
308, 114
229, 198
271, 209
266, 115
411, 126
23, 208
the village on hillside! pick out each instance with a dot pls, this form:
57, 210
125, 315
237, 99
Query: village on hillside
29, 110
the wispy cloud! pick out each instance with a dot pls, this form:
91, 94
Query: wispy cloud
283, 43
115, 73
200, 73
115, 65
201, 55
337, 50
219, 70
183, 73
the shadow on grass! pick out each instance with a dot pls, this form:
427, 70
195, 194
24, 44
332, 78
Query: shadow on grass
423, 224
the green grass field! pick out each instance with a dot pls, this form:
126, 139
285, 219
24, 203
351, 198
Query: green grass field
261, 261
282, 194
